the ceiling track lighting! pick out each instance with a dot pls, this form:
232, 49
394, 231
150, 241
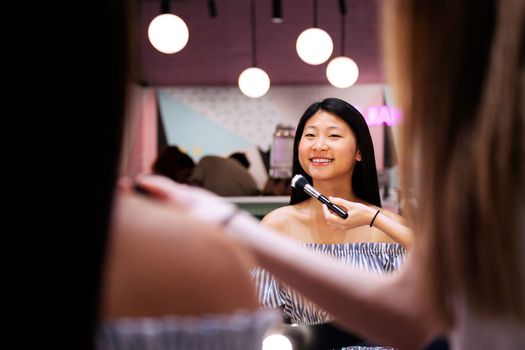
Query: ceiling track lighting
167, 32
342, 72
314, 46
253, 81
277, 11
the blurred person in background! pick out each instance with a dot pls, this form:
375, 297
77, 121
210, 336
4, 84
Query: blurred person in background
173, 163
224, 176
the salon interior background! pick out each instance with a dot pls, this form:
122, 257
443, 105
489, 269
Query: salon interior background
195, 93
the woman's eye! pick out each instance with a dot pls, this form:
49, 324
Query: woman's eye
309, 135
335, 136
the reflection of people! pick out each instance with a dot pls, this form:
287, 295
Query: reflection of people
333, 149
173, 163
465, 274
277, 187
224, 176
241, 158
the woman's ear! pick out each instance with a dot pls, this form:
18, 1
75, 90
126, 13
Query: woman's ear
358, 155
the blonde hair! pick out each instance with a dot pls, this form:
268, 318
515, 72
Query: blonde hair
458, 70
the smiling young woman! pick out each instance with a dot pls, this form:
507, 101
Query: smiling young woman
333, 150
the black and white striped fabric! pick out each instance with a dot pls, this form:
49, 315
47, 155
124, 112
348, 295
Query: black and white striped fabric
371, 256
238, 331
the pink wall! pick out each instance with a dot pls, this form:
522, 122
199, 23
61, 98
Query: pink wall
140, 137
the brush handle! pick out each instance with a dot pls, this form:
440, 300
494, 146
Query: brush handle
338, 210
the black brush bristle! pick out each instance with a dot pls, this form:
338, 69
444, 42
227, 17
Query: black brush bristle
299, 181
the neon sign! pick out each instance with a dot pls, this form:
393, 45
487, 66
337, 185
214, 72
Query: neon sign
379, 115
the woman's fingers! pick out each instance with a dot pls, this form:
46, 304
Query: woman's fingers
341, 202
196, 201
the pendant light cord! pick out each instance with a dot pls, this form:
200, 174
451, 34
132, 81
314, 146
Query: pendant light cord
342, 11
315, 14
165, 6
253, 27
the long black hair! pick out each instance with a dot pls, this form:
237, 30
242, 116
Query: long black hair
364, 177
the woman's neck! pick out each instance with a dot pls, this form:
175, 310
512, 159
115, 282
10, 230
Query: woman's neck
336, 188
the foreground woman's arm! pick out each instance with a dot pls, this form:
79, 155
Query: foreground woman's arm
386, 309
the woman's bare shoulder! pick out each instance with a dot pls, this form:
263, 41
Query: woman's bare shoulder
172, 265
279, 218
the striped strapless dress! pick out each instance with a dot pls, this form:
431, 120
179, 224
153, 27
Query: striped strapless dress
377, 257
242, 330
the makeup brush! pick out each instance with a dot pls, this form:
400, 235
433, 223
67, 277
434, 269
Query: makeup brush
299, 182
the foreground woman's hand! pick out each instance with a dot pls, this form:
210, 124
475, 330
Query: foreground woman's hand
197, 202
358, 214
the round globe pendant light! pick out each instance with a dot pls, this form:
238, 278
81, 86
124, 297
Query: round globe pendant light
342, 72
314, 46
253, 81
167, 32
